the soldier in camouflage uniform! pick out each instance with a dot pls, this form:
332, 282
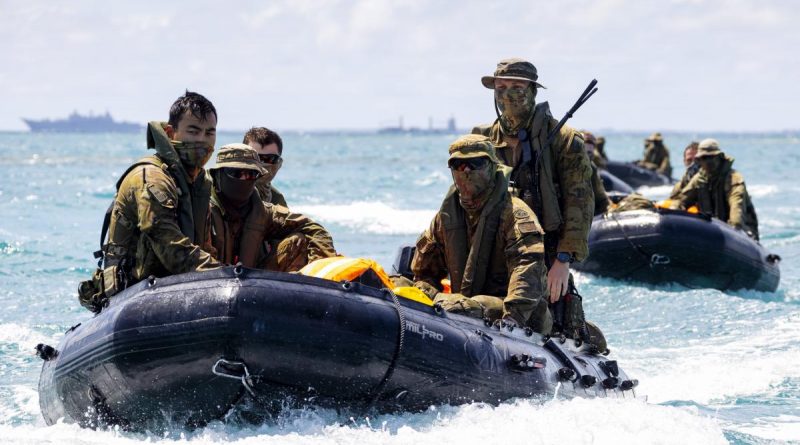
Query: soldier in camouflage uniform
269, 146
719, 190
157, 221
554, 180
488, 243
241, 224
691, 168
601, 200
600, 157
656, 155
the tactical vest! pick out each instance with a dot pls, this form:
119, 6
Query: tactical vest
191, 208
545, 199
251, 236
713, 197
469, 262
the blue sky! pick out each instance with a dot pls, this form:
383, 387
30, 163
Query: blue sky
302, 64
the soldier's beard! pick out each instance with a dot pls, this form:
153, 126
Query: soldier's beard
515, 108
474, 187
193, 155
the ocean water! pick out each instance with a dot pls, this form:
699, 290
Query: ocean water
715, 367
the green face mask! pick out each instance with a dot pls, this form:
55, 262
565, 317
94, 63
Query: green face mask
193, 155
474, 186
516, 107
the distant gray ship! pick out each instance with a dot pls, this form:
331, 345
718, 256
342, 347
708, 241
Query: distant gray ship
77, 123
400, 129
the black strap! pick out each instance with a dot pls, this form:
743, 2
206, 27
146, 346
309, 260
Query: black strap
100, 254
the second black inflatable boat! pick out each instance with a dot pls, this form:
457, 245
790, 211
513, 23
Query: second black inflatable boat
665, 246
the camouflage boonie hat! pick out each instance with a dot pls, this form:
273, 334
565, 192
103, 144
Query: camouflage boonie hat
472, 146
238, 156
655, 137
707, 148
514, 69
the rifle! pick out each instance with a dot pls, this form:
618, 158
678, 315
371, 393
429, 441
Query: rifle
524, 139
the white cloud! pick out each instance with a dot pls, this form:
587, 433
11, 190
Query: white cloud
355, 64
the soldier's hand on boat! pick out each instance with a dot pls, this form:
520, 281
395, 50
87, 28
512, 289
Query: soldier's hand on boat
506, 322
557, 280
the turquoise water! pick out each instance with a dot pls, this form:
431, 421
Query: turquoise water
715, 367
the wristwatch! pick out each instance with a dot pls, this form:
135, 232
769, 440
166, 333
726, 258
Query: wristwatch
565, 257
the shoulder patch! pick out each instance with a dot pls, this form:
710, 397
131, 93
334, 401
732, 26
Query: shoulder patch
160, 195
528, 227
521, 214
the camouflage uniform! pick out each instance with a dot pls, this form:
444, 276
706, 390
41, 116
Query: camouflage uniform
721, 193
601, 200
601, 159
269, 193
241, 235
157, 222
495, 261
563, 200
691, 171
656, 156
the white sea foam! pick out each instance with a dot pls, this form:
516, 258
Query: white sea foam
719, 367
372, 217
23, 337
576, 421
761, 190
785, 428
656, 193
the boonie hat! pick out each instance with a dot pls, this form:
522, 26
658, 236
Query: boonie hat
588, 137
707, 148
514, 69
655, 137
472, 146
238, 156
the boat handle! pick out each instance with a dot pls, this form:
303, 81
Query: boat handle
225, 368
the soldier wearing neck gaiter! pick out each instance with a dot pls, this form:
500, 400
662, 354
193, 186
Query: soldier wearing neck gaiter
157, 221
487, 242
242, 226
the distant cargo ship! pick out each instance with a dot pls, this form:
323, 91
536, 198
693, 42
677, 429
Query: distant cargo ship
400, 129
77, 123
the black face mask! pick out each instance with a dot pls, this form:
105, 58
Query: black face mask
235, 192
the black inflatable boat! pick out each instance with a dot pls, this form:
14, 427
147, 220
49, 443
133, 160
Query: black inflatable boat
665, 246
636, 176
186, 349
612, 183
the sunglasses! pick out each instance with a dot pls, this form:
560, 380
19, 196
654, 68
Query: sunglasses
270, 158
242, 174
472, 163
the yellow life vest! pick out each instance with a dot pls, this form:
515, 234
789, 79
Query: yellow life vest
342, 268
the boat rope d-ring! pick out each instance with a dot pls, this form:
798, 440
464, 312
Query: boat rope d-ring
238, 269
234, 370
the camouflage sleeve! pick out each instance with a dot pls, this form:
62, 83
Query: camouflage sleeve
156, 203
277, 197
283, 222
429, 264
524, 252
687, 197
601, 201
676, 189
737, 201
574, 173
664, 167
